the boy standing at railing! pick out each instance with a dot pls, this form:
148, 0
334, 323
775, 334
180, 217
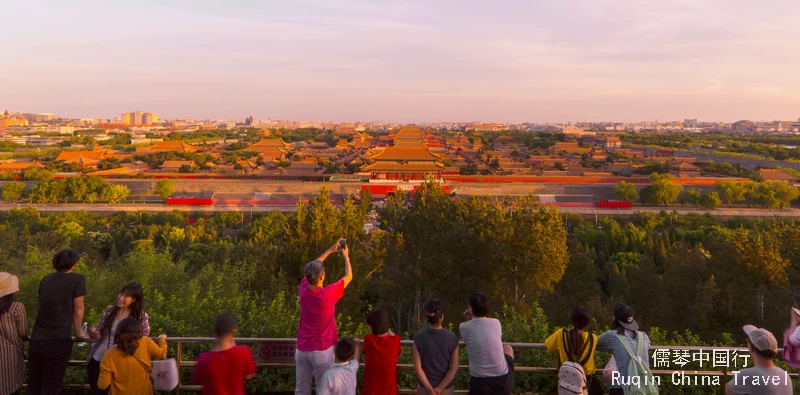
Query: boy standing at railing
341, 378
224, 370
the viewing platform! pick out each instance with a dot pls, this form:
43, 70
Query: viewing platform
278, 353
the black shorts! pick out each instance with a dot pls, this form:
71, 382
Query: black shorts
501, 385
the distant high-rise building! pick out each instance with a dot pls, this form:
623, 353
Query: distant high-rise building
138, 118
149, 118
250, 121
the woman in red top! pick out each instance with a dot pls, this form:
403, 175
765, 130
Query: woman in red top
381, 350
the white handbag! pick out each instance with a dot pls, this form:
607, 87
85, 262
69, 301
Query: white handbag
608, 371
165, 375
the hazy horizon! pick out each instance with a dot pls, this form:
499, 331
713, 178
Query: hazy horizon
409, 62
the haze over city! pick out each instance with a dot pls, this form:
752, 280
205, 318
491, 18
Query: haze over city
405, 62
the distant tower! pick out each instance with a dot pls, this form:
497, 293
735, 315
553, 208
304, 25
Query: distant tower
250, 121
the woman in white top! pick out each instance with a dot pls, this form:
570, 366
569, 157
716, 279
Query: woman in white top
129, 304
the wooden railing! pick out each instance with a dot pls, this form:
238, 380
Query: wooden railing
285, 362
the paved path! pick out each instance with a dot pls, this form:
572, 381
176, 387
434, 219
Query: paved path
112, 208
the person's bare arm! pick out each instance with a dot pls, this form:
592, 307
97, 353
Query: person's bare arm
348, 270
331, 250
357, 355
451, 373
77, 316
423, 379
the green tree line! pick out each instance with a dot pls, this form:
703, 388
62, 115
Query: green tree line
662, 191
75, 189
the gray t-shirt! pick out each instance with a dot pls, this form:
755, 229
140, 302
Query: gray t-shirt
760, 381
484, 340
608, 342
436, 347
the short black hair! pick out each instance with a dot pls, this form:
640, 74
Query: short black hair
434, 309
581, 317
378, 319
480, 304
65, 259
224, 324
345, 349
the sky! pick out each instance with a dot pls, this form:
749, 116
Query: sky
404, 61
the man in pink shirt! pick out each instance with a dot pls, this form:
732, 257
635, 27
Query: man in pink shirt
316, 334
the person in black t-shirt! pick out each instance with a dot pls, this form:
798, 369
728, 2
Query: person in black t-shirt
60, 310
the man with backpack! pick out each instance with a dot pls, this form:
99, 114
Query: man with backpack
575, 348
630, 348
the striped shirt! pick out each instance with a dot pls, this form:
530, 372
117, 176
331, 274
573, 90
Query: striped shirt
13, 329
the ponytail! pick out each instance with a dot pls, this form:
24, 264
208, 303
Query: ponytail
434, 317
575, 344
581, 320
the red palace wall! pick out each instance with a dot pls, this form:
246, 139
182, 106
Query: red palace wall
381, 189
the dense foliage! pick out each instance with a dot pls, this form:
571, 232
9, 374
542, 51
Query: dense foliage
774, 147
73, 189
692, 279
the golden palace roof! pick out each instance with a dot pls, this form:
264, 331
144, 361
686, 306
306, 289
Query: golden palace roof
395, 166
75, 156
14, 165
164, 146
269, 143
403, 153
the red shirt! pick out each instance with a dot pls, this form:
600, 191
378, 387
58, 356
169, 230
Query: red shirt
317, 328
380, 365
224, 372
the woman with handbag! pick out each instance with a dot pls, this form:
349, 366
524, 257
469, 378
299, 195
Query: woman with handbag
129, 303
125, 369
13, 330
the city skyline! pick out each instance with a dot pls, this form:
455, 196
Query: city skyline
407, 63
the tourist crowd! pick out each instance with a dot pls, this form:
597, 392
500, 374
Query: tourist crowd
120, 358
